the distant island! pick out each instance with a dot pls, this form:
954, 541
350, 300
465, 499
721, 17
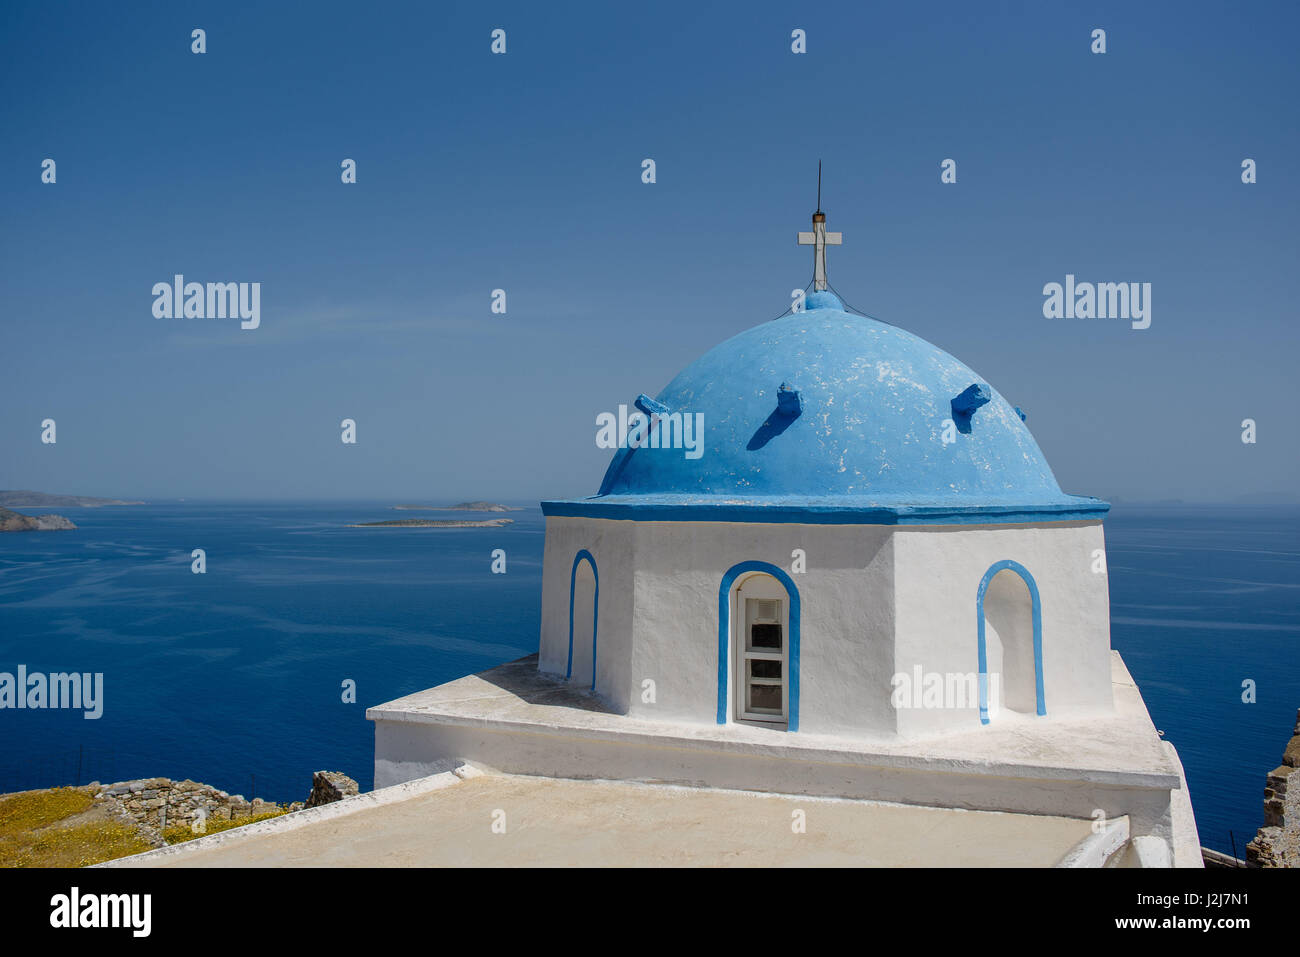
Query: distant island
462, 507
11, 521
435, 523
22, 498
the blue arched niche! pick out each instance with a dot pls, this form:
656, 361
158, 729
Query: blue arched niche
724, 635
584, 555
1038, 635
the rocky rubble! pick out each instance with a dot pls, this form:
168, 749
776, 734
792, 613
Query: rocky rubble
1277, 844
330, 786
152, 804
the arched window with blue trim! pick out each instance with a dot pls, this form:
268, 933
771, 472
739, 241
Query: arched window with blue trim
758, 646
584, 593
1010, 636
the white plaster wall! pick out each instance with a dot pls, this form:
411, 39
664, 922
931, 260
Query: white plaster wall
937, 575
611, 544
876, 601
846, 593
405, 751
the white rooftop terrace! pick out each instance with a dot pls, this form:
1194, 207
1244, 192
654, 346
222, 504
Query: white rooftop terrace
446, 821
581, 785
517, 720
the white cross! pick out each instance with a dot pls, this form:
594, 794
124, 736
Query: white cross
820, 239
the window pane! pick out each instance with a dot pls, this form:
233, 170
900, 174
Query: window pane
765, 636
765, 698
758, 668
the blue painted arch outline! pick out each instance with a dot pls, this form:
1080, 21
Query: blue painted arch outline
584, 555
1036, 604
724, 634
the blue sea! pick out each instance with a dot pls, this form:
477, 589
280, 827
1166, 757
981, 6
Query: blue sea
236, 677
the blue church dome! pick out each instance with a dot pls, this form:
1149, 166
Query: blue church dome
825, 412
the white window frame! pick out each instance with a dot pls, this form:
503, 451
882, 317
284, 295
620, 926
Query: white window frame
763, 588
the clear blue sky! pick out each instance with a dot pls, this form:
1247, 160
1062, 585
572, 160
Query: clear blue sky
523, 172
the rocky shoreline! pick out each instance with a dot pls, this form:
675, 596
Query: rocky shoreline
461, 507
11, 521
25, 498
434, 523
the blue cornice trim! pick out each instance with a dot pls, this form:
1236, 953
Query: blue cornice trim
1082, 510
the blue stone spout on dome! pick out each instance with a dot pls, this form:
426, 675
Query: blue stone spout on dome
788, 401
789, 406
650, 407
964, 405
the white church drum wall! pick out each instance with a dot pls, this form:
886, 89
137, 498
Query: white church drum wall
881, 611
939, 571
592, 559
844, 581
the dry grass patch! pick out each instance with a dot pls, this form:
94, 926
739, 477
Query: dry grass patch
62, 827
78, 846
57, 828
28, 810
180, 833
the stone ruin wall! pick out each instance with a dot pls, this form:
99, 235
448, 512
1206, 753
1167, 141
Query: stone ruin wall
150, 804
1278, 842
